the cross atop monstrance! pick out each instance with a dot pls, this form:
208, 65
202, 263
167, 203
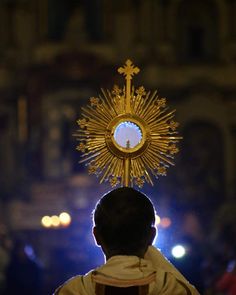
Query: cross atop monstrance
126, 135
128, 71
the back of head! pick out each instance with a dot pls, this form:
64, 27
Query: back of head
124, 218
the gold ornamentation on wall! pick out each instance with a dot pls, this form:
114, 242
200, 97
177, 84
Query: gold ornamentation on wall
127, 135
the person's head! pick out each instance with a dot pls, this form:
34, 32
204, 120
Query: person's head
124, 222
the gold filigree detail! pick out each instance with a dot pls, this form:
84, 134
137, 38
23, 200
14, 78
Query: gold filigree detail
161, 102
141, 91
173, 125
116, 90
81, 147
139, 182
114, 181
82, 123
92, 169
94, 101
173, 149
161, 170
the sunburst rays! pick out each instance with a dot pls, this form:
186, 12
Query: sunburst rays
149, 112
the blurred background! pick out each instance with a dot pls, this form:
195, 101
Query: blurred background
54, 55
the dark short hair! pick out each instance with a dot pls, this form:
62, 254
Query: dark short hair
123, 217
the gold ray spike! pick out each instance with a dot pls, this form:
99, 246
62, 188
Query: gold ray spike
126, 135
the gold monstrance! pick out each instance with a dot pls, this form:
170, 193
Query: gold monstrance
126, 135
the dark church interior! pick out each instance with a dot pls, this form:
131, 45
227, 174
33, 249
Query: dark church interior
54, 56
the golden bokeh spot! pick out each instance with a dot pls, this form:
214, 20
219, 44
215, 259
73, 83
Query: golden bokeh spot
46, 221
65, 218
55, 220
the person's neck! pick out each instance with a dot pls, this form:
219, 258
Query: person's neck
110, 254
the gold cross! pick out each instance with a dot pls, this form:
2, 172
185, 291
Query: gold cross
128, 71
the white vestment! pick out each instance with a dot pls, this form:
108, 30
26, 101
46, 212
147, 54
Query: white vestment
126, 271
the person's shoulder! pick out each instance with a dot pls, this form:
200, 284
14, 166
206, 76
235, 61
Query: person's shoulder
172, 285
71, 286
167, 275
78, 285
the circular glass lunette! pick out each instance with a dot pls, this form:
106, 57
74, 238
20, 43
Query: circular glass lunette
128, 135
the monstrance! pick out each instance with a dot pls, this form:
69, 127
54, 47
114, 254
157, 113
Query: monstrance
127, 135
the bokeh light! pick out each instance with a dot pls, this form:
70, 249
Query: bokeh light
178, 251
65, 218
165, 222
55, 220
46, 221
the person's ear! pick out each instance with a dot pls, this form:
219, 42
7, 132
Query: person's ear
96, 236
152, 235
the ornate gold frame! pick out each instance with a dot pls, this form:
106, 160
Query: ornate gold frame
127, 152
131, 165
